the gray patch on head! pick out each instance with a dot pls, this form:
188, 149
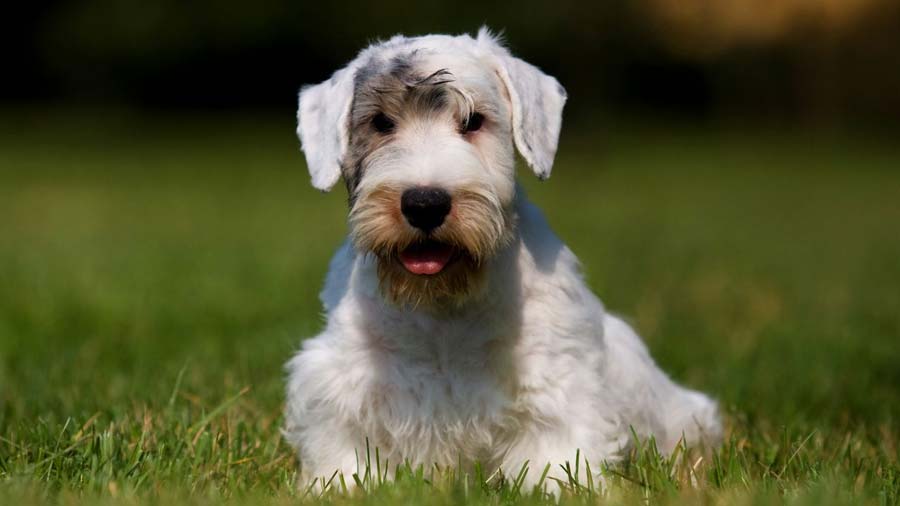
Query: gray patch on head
366, 72
397, 88
401, 66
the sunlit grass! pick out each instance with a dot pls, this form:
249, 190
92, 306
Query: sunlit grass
155, 276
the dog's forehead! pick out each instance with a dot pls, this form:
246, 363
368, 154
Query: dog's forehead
420, 57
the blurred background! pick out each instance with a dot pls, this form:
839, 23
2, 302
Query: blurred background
832, 63
729, 175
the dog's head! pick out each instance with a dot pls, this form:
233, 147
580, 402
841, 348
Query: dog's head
424, 132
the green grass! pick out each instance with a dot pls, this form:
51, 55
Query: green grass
155, 276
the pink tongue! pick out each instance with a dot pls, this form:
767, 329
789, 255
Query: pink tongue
426, 259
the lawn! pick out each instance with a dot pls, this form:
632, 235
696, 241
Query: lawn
155, 274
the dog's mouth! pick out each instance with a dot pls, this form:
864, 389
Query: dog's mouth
427, 258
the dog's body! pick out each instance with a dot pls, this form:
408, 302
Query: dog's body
459, 326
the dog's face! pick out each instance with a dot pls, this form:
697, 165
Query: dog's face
424, 132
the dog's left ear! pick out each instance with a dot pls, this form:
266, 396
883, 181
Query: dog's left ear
323, 119
537, 105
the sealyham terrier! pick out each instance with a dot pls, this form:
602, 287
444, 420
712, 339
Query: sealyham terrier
459, 327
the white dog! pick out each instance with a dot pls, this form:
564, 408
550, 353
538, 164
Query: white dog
459, 326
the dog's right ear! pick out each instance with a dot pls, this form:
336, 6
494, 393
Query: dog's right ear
323, 125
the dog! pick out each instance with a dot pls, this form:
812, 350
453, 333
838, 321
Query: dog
459, 327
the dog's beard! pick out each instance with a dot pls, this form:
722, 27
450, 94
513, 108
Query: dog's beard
476, 228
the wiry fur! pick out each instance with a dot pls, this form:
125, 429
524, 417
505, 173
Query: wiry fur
477, 225
505, 357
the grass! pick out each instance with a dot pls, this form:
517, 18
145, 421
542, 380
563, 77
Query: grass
155, 275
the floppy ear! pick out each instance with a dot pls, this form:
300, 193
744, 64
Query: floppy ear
537, 105
323, 126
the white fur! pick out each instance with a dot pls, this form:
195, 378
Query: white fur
321, 107
532, 372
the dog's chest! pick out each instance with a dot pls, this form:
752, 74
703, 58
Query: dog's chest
441, 402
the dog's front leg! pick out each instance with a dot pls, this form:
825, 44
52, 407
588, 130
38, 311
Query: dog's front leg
321, 420
543, 447
330, 456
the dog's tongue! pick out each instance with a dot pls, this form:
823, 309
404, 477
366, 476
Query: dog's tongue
428, 258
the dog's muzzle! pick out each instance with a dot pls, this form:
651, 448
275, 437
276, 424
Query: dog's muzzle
425, 209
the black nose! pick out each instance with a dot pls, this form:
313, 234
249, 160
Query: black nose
425, 208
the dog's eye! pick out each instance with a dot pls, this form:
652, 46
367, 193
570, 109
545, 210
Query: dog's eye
473, 123
382, 123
